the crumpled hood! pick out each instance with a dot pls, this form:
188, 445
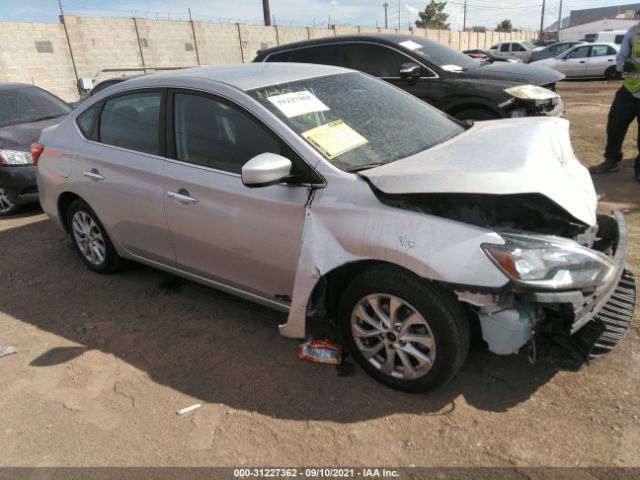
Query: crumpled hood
21, 136
515, 72
499, 157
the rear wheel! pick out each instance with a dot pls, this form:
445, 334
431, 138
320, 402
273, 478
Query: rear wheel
7, 207
405, 333
612, 74
91, 240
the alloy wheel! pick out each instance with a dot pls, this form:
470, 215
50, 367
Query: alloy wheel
88, 237
5, 204
393, 336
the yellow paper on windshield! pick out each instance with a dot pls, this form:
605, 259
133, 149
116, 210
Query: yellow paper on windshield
334, 138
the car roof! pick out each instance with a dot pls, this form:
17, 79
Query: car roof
389, 38
13, 85
587, 44
243, 77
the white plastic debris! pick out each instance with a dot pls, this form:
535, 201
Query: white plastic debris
193, 407
7, 351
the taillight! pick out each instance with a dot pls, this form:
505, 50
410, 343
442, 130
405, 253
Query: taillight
36, 151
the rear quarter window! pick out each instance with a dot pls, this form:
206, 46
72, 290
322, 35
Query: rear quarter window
85, 120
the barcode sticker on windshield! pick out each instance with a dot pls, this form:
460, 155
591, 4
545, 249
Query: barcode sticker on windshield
298, 103
411, 45
334, 138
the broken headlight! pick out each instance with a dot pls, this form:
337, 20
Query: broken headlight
531, 92
548, 262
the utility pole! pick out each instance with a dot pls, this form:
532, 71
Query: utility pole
398, 14
559, 20
267, 13
542, 21
386, 5
464, 18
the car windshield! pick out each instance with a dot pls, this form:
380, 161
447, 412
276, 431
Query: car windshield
442, 56
529, 45
356, 121
29, 104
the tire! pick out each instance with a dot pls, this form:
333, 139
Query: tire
97, 252
612, 74
438, 328
7, 207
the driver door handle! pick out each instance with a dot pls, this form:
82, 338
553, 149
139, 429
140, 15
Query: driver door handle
182, 196
94, 174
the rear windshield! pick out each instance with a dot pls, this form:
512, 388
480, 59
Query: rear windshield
357, 121
29, 104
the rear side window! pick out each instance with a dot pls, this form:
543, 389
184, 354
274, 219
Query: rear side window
618, 39
322, 54
85, 120
213, 134
504, 47
375, 60
132, 121
516, 47
601, 51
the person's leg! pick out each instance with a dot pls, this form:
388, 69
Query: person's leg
621, 114
636, 163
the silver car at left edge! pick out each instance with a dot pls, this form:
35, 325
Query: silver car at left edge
328, 194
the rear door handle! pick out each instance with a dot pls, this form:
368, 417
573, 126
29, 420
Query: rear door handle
182, 196
583, 61
93, 175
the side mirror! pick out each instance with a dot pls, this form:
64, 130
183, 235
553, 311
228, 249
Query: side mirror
410, 71
265, 169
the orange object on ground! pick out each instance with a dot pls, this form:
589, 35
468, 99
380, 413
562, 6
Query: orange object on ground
320, 351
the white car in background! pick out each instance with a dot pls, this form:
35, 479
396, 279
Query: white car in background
520, 50
594, 60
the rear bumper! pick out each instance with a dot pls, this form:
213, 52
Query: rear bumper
19, 183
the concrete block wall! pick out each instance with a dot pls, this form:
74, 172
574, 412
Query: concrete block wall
21, 60
98, 43
102, 42
218, 44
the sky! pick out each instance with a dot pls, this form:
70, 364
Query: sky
524, 14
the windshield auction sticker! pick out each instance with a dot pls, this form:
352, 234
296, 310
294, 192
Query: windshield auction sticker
334, 138
298, 103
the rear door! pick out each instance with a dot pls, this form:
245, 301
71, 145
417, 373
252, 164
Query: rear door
120, 172
245, 238
600, 59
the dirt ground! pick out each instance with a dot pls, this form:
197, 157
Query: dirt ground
105, 361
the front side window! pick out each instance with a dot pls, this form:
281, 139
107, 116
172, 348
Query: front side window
216, 135
335, 114
132, 121
29, 104
375, 60
437, 54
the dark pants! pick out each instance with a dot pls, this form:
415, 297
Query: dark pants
624, 109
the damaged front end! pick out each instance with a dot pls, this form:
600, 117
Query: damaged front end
574, 325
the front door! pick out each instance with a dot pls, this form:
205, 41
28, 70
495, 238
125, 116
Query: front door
574, 63
600, 59
247, 238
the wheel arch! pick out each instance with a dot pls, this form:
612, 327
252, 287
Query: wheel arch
64, 202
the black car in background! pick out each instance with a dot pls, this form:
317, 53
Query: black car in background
445, 78
25, 110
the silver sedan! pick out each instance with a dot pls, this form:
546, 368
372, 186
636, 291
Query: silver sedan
591, 60
320, 191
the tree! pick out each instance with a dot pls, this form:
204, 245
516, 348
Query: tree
433, 16
504, 26
478, 28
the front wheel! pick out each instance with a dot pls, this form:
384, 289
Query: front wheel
404, 332
91, 240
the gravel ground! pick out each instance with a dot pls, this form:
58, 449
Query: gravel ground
105, 361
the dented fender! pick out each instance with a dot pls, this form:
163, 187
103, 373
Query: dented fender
343, 228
